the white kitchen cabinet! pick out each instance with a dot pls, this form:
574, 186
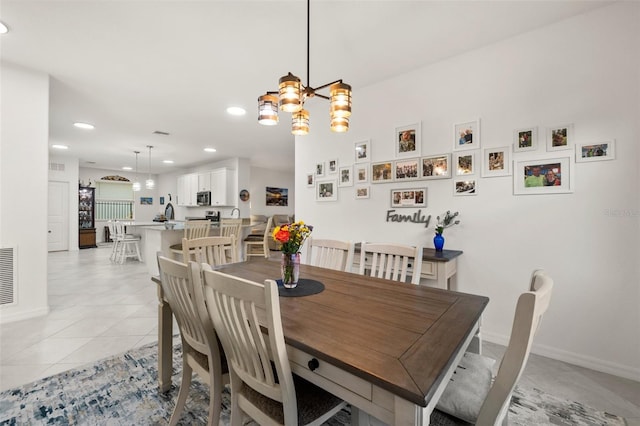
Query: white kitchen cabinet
187, 190
204, 181
222, 187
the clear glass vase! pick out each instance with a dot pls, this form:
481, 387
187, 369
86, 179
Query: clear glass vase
290, 269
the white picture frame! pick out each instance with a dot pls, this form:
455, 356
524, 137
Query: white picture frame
362, 192
528, 181
320, 171
327, 190
496, 161
465, 163
361, 172
560, 137
466, 135
311, 180
408, 169
409, 197
465, 186
599, 151
525, 139
362, 151
332, 166
436, 167
345, 176
408, 140
382, 172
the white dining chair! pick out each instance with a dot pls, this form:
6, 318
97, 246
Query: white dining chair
258, 245
472, 394
127, 245
197, 228
391, 261
182, 287
231, 228
263, 387
214, 251
332, 254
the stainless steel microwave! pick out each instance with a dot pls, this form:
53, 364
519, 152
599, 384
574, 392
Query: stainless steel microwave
204, 198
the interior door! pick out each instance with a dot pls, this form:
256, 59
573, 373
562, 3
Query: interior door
58, 213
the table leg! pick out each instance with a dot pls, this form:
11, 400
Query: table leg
165, 343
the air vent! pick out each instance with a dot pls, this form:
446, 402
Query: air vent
158, 132
59, 167
7, 275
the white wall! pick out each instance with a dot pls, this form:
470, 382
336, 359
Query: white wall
23, 184
582, 71
260, 179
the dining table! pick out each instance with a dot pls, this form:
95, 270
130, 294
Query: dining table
387, 348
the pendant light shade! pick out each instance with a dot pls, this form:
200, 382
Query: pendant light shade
339, 124
340, 97
290, 90
300, 123
268, 110
150, 184
136, 184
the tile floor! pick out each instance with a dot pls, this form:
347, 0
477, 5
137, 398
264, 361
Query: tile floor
99, 309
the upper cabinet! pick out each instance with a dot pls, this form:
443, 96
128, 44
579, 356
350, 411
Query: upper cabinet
204, 181
187, 190
221, 183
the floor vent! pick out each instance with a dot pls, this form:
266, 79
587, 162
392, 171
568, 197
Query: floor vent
8, 279
56, 167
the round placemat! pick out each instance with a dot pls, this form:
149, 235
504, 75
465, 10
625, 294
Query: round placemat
306, 287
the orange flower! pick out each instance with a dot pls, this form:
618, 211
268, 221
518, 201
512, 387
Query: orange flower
282, 235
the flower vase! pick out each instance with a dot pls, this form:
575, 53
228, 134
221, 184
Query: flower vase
290, 269
438, 242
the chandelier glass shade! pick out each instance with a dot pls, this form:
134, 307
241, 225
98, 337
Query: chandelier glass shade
149, 183
136, 185
292, 94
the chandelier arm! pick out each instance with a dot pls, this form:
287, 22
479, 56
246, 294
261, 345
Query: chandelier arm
326, 85
322, 96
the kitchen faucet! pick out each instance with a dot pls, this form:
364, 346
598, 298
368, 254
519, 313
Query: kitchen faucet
235, 209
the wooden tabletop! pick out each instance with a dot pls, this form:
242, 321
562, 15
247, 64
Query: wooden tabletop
400, 337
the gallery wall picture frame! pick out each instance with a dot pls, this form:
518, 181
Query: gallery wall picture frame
465, 187
409, 197
436, 167
496, 161
382, 172
408, 140
332, 166
345, 176
162, 201
542, 176
327, 190
466, 135
600, 151
362, 192
560, 137
320, 172
525, 139
408, 169
146, 200
465, 163
311, 180
362, 151
361, 172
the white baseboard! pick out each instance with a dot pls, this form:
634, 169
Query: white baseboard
625, 371
22, 315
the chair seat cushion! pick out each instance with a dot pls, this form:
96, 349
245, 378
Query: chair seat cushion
313, 402
251, 237
468, 387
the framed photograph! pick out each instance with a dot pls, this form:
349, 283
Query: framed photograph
362, 191
436, 167
408, 141
525, 139
311, 180
542, 176
345, 177
327, 190
363, 152
320, 169
332, 166
162, 201
409, 197
465, 186
277, 196
496, 162
560, 137
146, 200
361, 173
382, 172
586, 152
406, 169
466, 135
465, 163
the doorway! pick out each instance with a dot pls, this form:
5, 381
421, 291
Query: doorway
58, 216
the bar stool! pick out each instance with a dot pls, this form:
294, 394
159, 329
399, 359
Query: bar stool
128, 245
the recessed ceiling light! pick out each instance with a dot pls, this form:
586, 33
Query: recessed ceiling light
167, 161
236, 110
127, 168
3, 28
210, 149
84, 126
59, 146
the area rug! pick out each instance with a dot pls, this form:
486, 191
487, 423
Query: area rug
123, 391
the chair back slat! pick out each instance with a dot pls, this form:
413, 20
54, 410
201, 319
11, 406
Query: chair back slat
332, 254
211, 250
196, 228
391, 261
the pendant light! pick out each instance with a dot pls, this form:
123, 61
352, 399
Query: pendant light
292, 94
136, 184
150, 184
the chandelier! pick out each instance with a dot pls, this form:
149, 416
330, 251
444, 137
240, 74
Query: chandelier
292, 94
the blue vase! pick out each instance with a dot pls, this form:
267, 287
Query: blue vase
438, 242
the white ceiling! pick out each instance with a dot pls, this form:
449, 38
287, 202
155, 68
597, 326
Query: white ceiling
134, 67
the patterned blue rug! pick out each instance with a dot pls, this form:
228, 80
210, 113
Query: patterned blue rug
123, 391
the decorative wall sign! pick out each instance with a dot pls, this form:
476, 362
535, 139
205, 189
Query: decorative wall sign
409, 197
436, 167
